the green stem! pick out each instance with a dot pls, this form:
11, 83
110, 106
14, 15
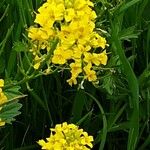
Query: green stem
24, 80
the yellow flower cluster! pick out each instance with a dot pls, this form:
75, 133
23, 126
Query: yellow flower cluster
72, 22
3, 99
67, 137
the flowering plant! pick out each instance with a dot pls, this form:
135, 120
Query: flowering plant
64, 36
67, 137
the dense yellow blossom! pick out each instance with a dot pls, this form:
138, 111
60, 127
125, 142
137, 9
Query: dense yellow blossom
1, 83
67, 137
49, 13
3, 98
2, 123
61, 55
72, 23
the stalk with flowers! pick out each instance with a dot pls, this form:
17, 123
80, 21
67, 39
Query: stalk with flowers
78, 47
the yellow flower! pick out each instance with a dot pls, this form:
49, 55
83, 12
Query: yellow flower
69, 14
37, 61
3, 98
67, 38
72, 81
88, 13
75, 68
90, 3
98, 41
56, 1
1, 83
101, 42
92, 58
103, 57
81, 30
75, 71
79, 4
2, 123
67, 137
49, 13
61, 56
39, 33
78, 52
96, 59
68, 3
90, 74
87, 139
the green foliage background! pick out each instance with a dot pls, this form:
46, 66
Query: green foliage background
116, 112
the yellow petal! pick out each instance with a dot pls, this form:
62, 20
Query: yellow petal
2, 123
1, 82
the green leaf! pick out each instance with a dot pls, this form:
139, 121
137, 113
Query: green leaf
78, 105
129, 33
9, 111
13, 92
2, 64
11, 108
127, 5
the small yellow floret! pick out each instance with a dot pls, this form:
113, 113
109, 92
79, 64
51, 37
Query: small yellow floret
103, 57
37, 61
2, 123
3, 98
1, 83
